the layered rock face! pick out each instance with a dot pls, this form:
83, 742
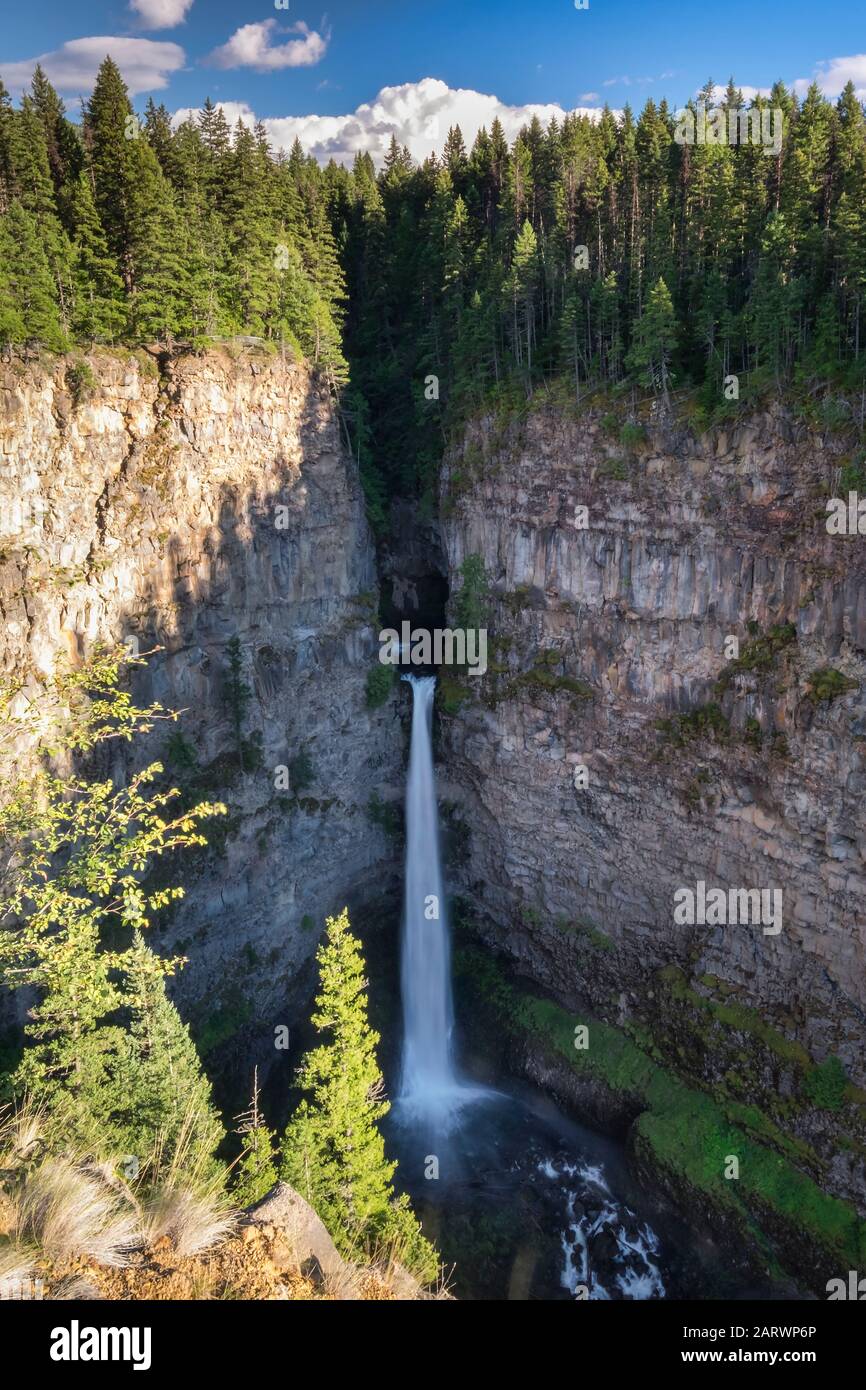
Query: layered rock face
610, 637
185, 505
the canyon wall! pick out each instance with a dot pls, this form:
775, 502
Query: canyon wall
182, 504
608, 637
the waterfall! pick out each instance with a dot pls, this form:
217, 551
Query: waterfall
430, 1088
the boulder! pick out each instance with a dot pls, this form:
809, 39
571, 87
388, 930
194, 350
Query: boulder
306, 1242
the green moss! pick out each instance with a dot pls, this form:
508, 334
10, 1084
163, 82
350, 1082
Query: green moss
826, 1084
591, 933
733, 1015
380, 681
451, 693
615, 469
541, 677
227, 1019
828, 684
758, 656
707, 721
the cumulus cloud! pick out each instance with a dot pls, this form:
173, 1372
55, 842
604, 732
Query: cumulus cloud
748, 93
252, 46
418, 113
145, 64
832, 75
233, 111
161, 14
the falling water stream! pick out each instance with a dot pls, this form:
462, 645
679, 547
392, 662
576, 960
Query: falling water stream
430, 1090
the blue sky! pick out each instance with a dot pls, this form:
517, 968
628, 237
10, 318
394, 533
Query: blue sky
306, 62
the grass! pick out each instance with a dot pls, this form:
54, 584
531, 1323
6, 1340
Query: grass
65, 1211
192, 1221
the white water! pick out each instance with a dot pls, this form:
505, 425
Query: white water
430, 1090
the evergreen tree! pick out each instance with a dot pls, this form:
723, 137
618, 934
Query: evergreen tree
98, 310
156, 1093
30, 283
333, 1151
12, 328
650, 354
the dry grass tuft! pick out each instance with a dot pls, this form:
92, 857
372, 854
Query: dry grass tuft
66, 1212
191, 1221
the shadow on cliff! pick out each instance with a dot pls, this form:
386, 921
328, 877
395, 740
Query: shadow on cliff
284, 739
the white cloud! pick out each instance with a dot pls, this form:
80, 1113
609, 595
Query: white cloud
144, 63
588, 96
748, 93
233, 111
418, 113
251, 46
161, 14
833, 74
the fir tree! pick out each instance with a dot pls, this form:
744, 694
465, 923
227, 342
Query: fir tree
333, 1151
655, 336
31, 285
156, 1094
98, 311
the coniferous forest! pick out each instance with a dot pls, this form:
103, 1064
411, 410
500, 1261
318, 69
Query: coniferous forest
599, 251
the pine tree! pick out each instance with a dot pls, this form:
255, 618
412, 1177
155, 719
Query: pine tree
11, 321
156, 1094
61, 140
111, 139
31, 284
37, 195
98, 310
655, 336
524, 280
332, 1150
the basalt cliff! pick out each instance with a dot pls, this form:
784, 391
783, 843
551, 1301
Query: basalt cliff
622, 748
182, 504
